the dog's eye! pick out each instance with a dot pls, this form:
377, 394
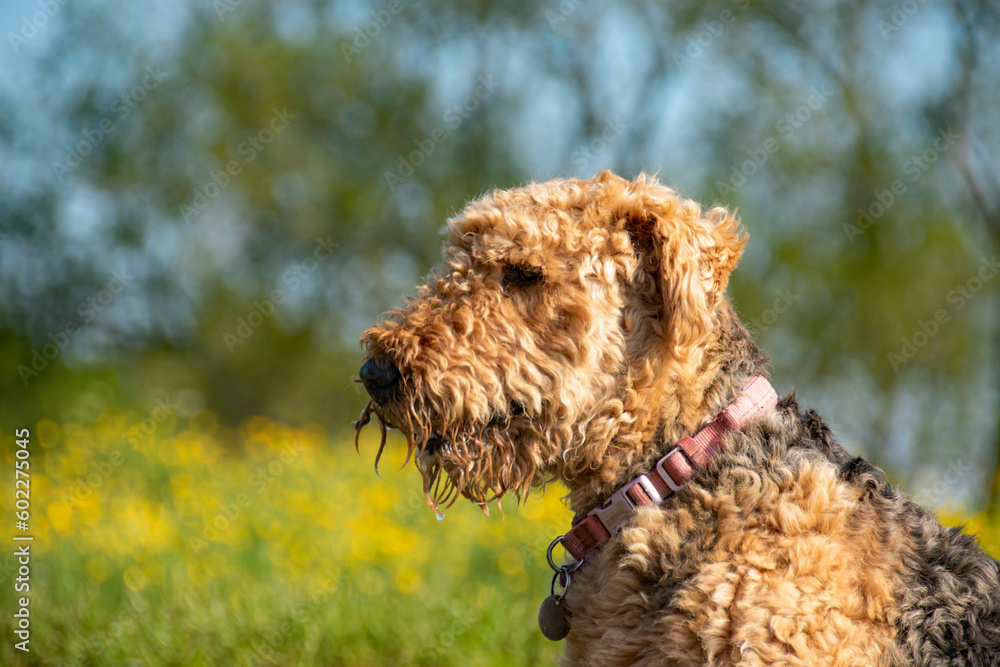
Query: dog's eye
520, 275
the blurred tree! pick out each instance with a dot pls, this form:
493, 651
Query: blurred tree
280, 180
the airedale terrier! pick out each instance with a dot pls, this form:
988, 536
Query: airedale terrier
579, 330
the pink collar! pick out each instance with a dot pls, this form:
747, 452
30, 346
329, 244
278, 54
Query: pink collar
670, 474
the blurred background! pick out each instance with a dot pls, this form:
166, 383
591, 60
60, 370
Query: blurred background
204, 204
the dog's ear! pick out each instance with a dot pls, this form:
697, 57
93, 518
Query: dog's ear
684, 259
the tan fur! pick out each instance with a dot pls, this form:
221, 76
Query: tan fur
578, 329
596, 355
778, 568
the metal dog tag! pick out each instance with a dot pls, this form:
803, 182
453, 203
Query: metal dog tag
553, 618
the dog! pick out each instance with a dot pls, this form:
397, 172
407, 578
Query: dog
579, 330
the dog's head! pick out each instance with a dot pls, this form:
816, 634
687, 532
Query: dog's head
558, 314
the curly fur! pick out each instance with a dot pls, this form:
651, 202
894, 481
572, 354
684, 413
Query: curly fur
577, 329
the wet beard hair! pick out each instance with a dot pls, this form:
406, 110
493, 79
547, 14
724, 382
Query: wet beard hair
482, 462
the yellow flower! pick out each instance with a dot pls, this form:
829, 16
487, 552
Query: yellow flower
60, 517
408, 581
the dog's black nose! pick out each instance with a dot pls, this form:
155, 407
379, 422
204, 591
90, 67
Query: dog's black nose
381, 378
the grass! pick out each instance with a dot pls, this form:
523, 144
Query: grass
266, 545
188, 544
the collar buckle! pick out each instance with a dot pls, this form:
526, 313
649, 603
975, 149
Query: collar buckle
623, 502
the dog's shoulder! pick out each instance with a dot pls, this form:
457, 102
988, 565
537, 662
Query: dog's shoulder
949, 597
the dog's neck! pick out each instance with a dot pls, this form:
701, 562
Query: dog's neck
670, 407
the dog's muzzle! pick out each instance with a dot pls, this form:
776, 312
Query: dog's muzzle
381, 378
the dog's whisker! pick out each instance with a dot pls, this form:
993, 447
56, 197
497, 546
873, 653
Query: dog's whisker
363, 420
381, 445
410, 444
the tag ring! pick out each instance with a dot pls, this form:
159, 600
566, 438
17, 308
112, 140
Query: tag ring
561, 569
552, 586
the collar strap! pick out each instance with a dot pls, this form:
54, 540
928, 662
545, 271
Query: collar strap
671, 472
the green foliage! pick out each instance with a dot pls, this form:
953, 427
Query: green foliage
189, 544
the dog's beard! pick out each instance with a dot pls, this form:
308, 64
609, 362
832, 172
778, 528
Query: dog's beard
483, 461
